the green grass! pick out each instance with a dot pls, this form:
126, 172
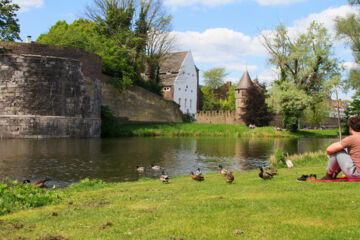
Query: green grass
202, 129
250, 208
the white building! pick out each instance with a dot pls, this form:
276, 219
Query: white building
180, 79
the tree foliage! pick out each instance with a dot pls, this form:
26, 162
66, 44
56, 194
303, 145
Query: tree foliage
214, 78
307, 68
9, 27
348, 29
256, 110
119, 31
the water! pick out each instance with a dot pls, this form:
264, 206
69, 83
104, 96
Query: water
69, 160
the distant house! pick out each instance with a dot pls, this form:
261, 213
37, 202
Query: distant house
180, 79
343, 106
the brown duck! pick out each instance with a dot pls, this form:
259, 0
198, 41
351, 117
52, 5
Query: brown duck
265, 175
39, 183
197, 177
229, 177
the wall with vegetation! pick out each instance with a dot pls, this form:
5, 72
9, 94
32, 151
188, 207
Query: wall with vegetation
139, 105
48, 91
218, 117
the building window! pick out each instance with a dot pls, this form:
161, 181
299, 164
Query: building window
166, 88
180, 101
190, 103
185, 101
179, 89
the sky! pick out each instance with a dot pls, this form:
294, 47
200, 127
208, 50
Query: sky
219, 33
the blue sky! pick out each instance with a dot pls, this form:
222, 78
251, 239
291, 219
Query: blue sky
224, 33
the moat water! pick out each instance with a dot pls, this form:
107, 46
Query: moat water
69, 160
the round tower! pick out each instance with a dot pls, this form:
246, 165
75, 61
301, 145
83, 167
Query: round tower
241, 93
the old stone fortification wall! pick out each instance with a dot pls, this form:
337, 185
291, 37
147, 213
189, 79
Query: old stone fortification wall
139, 105
48, 91
228, 117
218, 117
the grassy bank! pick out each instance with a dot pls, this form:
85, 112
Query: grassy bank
201, 129
250, 208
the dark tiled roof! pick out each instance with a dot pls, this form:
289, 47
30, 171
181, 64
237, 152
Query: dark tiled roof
169, 67
245, 81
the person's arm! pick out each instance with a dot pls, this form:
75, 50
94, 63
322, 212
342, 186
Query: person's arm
333, 148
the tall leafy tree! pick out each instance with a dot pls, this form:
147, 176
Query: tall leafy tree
307, 63
348, 29
256, 110
9, 27
214, 78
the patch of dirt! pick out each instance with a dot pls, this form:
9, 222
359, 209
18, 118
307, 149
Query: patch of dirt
54, 214
220, 197
176, 238
105, 225
97, 204
52, 237
237, 232
19, 238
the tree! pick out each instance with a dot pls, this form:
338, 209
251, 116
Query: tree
348, 29
9, 27
288, 100
141, 27
214, 78
306, 62
318, 117
210, 100
256, 110
352, 110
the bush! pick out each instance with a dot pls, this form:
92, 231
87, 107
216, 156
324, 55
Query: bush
187, 118
278, 159
14, 196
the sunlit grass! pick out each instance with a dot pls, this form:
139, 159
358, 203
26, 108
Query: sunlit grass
250, 208
202, 129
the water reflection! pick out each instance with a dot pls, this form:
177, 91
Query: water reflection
69, 160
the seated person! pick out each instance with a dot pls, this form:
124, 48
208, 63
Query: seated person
340, 160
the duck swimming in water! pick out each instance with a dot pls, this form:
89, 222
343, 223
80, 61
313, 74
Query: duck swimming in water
155, 167
140, 169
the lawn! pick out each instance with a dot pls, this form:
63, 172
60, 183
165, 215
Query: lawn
203, 129
250, 208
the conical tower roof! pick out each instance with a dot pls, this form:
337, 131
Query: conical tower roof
245, 81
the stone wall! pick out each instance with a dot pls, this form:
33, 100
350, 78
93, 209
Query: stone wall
139, 105
218, 117
48, 91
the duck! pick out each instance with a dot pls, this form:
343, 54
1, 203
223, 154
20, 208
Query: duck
198, 172
164, 178
197, 177
265, 175
140, 169
229, 177
273, 171
222, 170
155, 167
38, 183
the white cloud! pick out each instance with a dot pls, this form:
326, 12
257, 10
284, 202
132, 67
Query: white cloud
269, 75
213, 3
25, 5
325, 17
219, 45
350, 65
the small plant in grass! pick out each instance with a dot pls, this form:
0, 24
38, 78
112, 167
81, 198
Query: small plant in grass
14, 196
278, 159
87, 183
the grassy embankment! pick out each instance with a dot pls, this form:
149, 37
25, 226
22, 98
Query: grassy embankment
201, 129
250, 208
